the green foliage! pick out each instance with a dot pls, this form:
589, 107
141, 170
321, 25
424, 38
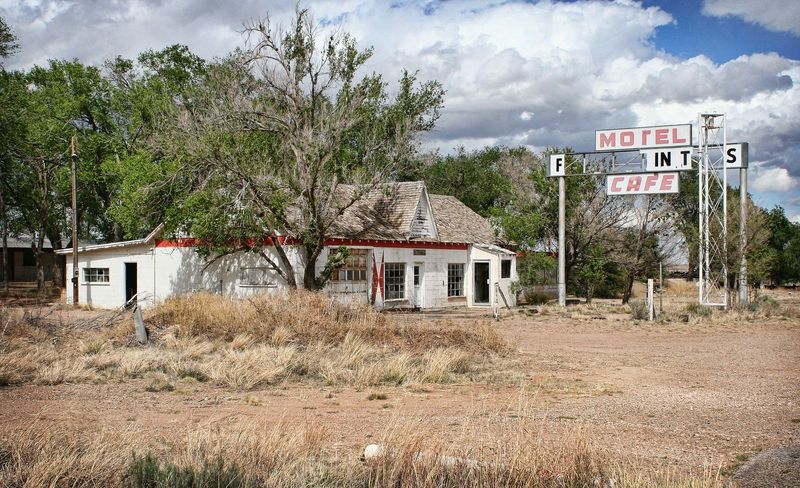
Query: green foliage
8, 41
784, 243
149, 472
472, 177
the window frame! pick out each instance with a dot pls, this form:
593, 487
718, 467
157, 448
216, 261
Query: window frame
398, 280
503, 264
462, 279
352, 268
93, 276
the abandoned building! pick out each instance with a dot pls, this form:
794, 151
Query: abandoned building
407, 250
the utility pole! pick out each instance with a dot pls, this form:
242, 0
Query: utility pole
75, 270
743, 295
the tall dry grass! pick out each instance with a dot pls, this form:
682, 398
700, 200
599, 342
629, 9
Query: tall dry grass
286, 455
256, 343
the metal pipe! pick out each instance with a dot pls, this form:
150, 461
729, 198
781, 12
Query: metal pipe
562, 266
743, 295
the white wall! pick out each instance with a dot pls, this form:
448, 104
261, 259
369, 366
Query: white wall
163, 272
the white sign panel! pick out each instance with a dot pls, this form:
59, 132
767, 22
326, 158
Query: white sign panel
557, 163
736, 155
641, 183
674, 159
643, 137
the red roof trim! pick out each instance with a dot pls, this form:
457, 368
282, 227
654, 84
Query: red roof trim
191, 242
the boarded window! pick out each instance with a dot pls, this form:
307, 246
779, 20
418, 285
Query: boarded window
505, 268
95, 275
395, 280
455, 280
257, 276
354, 268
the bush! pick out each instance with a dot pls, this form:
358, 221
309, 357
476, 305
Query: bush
148, 472
638, 309
537, 298
764, 304
698, 310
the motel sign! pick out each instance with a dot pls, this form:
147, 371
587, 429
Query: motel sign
643, 137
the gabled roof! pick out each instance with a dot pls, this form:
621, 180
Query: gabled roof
112, 245
388, 213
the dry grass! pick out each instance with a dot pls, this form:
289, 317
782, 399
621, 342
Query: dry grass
264, 341
285, 455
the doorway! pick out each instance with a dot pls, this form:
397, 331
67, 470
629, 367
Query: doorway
131, 285
418, 278
481, 283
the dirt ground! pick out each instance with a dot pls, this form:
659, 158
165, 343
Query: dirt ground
683, 396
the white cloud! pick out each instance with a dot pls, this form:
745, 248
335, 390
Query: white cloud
776, 15
537, 74
776, 180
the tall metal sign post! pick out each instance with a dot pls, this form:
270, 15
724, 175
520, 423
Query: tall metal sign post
647, 160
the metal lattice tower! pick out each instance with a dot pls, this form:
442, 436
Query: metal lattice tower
712, 184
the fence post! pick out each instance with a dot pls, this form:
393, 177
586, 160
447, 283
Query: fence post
650, 302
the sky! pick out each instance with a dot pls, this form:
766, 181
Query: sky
534, 73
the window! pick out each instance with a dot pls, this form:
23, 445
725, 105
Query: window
27, 258
455, 280
260, 276
416, 275
395, 280
419, 252
95, 275
354, 267
505, 268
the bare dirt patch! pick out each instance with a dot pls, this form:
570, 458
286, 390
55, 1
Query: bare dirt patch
692, 397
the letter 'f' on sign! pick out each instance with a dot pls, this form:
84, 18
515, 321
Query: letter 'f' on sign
557, 163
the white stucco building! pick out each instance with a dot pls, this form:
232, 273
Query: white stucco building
407, 250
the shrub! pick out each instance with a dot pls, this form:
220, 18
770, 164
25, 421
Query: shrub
149, 472
698, 310
638, 309
765, 305
537, 298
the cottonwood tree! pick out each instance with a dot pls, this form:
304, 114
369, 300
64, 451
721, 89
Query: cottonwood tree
266, 142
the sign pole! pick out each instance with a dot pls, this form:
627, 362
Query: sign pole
75, 270
743, 296
562, 267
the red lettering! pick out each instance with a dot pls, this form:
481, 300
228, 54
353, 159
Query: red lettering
667, 182
626, 138
634, 183
645, 133
662, 136
675, 139
608, 140
615, 181
650, 182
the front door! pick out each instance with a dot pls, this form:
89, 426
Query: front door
130, 282
418, 278
481, 282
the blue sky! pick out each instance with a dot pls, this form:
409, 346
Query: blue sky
517, 72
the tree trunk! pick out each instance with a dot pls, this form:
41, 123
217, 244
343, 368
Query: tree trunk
589, 293
5, 241
310, 281
626, 296
38, 254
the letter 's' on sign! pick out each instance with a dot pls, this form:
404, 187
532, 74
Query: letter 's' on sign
736, 155
643, 137
641, 183
557, 163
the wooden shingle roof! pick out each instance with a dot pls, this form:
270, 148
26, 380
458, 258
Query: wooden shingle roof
387, 213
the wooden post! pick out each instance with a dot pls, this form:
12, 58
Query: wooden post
650, 302
141, 331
